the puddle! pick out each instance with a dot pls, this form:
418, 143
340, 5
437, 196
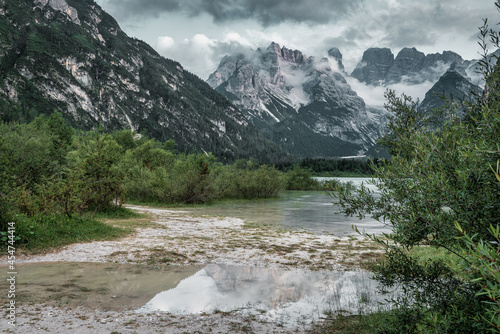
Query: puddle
107, 287
286, 297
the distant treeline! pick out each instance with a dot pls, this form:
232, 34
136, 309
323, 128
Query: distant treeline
335, 166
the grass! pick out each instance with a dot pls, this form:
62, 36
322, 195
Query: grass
344, 322
116, 213
425, 253
41, 233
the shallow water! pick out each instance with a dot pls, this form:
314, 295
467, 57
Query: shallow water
287, 297
313, 211
94, 285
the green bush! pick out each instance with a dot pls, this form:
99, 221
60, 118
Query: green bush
481, 265
299, 178
95, 170
192, 180
157, 175
439, 175
264, 182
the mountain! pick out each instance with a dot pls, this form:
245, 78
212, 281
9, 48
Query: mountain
300, 103
379, 67
448, 71
374, 66
453, 85
71, 56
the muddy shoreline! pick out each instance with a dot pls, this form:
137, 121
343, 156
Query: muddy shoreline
171, 238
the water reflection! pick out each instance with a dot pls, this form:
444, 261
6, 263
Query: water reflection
313, 211
282, 296
287, 297
94, 285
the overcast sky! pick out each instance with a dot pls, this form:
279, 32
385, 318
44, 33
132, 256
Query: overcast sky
198, 33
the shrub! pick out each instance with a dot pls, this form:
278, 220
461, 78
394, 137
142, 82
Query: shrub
264, 182
299, 178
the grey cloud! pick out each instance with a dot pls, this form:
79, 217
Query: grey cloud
125, 9
416, 24
341, 42
267, 12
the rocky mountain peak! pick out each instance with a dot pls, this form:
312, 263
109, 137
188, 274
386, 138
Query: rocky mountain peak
408, 61
379, 67
453, 85
335, 54
292, 56
60, 6
374, 66
300, 104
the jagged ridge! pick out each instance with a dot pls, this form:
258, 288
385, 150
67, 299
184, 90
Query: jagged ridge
300, 103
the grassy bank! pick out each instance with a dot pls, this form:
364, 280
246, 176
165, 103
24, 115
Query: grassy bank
42, 233
345, 323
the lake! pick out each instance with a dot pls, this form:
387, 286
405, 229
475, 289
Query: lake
312, 211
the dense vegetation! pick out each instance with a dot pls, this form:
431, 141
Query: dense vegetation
51, 172
440, 191
339, 167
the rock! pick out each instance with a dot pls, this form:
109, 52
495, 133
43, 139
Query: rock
408, 62
379, 67
453, 86
374, 66
335, 54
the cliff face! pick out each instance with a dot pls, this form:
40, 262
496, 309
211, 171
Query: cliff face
300, 103
374, 66
71, 56
379, 67
448, 72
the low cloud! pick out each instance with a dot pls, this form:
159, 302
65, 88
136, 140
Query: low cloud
201, 54
267, 12
374, 95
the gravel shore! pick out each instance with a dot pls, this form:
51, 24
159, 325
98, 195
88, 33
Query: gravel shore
174, 237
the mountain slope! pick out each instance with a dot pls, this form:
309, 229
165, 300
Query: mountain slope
300, 103
71, 56
453, 85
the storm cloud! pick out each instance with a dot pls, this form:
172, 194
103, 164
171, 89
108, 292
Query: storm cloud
266, 12
197, 33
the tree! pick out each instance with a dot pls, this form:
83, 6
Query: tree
95, 167
440, 177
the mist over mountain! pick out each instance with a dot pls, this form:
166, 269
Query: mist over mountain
454, 84
379, 66
304, 105
313, 107
72, 57
431, 76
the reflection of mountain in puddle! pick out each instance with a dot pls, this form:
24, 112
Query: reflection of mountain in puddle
274, 295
